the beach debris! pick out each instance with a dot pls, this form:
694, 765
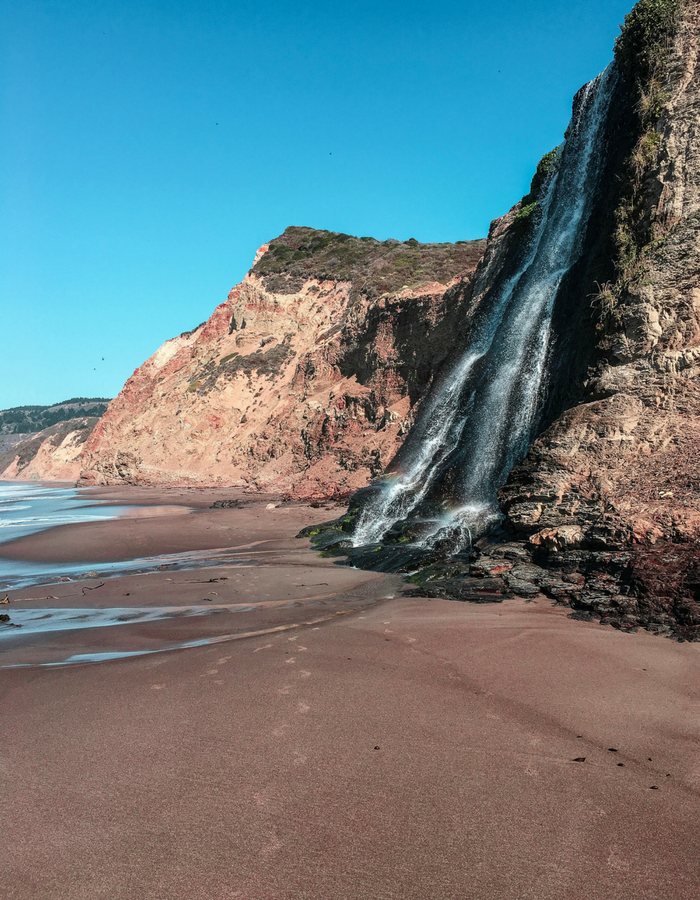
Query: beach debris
101, 584
580, 759
271, 506
6, 599
621, 765
4, 618
612, 749
654, 787
377, 748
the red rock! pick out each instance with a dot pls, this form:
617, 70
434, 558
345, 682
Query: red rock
300, 383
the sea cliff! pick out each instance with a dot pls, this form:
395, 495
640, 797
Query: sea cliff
304, 382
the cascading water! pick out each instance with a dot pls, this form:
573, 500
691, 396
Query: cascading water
480, 421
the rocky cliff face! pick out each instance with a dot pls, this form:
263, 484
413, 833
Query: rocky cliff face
611, 489
51, 455
603, 513
304, 382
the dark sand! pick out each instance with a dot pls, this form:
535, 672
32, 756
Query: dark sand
412, 749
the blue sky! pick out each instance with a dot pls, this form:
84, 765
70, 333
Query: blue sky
151, 147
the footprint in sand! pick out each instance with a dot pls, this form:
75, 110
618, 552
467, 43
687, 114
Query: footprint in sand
223, 659
157, 687
303, 708
291, 660
304, 674
265, 647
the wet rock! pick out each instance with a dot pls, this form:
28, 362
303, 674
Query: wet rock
489, 567
581, 615
521, 588
463, 590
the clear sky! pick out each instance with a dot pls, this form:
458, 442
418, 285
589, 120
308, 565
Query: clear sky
150, 146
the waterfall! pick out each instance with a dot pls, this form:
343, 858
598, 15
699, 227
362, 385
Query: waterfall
480, 420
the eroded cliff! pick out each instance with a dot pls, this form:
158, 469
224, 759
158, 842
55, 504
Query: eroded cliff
52, 454
304, 382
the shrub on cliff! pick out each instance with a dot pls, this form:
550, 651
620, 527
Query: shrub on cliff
374, 267
644, 38
529, 204
641, 54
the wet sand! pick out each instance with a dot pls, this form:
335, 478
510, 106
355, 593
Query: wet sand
140, 534
255, 575
411, 749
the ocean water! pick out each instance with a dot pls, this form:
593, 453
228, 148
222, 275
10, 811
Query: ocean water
28, 508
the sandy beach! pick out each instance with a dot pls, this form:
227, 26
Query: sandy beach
337, 744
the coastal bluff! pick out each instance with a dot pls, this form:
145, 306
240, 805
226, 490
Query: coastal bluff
304, 382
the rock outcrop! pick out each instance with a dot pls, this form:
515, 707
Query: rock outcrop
304, 382
51, 455
603, 513
611, 489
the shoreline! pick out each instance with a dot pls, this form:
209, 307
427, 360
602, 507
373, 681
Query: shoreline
138, 533
166, 574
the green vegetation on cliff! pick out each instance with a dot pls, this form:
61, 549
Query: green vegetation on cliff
641, 54
644, 39
375, 267
530, 202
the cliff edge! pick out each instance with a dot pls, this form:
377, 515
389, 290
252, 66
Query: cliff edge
304, 382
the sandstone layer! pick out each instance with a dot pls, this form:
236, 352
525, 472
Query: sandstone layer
304, 382
51, 455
